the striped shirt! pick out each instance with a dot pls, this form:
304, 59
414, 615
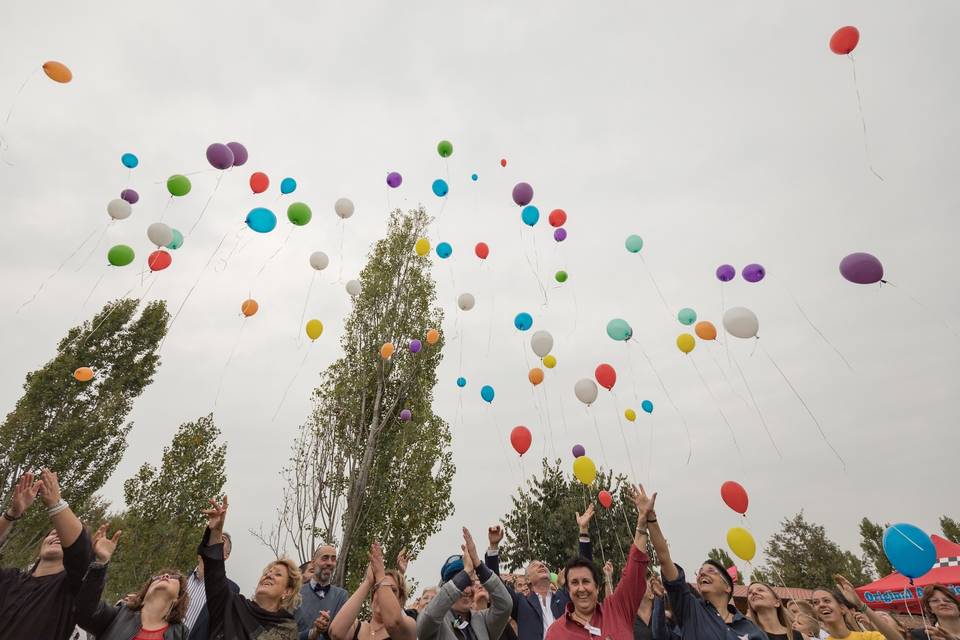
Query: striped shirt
198, 598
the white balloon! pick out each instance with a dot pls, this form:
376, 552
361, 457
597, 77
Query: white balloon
542, 343
466, 301
160, 234
353, 288
119, 209
319, 260
741, 322
344, 207
586, 391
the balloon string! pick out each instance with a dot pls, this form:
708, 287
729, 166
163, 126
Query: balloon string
863, 120
303, 314
99, 324
536, 276
290, 384
536, 258
527, 503
3, 142
274, 254
58, 269
756, 406
669, 399
596, 427
623, 436
207, 204
89, 295
723, 415
726, 379
723, 312
655, 285
500, 438
226, 365
106, 226
190, 173
923, 307
223, 263
650, 461
817, 329
166, 206
823, 435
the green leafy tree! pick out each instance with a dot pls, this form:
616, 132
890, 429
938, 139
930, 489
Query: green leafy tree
357, 472
801, 555
871, 542
77, 428
541, 525
163, 524
721, 556
950, 528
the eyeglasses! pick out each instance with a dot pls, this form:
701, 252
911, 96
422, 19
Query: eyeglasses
166, 576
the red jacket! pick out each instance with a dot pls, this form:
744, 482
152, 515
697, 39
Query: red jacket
614, 616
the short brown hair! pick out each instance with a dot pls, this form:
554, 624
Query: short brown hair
179, 610
928, 593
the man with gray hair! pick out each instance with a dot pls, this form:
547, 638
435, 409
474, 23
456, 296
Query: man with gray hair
320, 600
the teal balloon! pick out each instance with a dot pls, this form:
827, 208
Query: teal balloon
261, 220
177, 241
619, 329
129, 160
444, 250
461, 382
474, 177
486, 392
523, 321
288, 185
530, 215
687, 316
647, 406
440, 187
634, 243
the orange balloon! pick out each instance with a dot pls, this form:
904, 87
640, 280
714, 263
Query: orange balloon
432, 336
57, 71
249, 307
535, 376
387, 350
705, 330
83, 374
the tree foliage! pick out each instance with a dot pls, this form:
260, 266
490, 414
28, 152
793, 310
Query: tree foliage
871, 542
801, 555
78, 428
357, 472
950, 528
163, 524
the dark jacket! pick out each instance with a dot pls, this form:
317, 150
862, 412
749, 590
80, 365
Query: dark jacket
526, 609
697, 618
106, 621
201, 628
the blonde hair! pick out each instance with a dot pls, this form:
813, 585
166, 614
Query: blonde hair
783, 615
294, 582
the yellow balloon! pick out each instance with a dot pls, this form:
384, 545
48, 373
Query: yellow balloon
630, 415
549, 362
387, 350
741, 543
422, 247
585, 470
314, 329
686, 342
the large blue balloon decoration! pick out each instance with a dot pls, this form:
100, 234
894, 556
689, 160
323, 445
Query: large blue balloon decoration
440, 187
530, 215
909, 549
523, 321
486, 392
261, 220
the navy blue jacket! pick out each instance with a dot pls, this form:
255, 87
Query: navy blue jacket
698, 619
527, 610
201, 628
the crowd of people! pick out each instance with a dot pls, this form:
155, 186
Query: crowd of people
60, 595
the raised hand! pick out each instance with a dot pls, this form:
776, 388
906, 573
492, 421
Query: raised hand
376, 562
216, 514
470, 548
847, 590
103, 545
583, 520
494, 536
656, 586
608, 570
403, 559
50, 487
24, 493
645, 504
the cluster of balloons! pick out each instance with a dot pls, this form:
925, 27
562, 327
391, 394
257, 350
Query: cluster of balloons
751, 273
739, 540
223, 156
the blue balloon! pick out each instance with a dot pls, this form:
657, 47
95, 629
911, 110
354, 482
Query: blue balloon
440, 187
444, 250
647, 406
530, 215
486, 392
909, 549
461, 382
474, 177
288, 185
523, 321
129, 160
261, 220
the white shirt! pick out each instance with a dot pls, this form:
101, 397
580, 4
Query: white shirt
198, 599
548, 618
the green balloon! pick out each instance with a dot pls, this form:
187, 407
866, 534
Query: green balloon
619, 330
299, 214
445, 149
687, 316
634, 243
120, 255
177, 241
554, 577
561, 276
178, 185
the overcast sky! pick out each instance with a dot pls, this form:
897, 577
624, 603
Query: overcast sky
719, 132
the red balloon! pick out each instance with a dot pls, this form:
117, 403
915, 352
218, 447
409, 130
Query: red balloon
159, 260
557, 217
259, 182
605, 499
844, 40
482, 250
735, 496
520, 438
606, 376
503, 162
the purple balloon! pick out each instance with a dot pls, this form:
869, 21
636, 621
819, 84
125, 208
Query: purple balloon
415, 346
394, 179
240, 154
726, 273
753, 272
130, 196
560, 234
220, 156
405, 415
579, 451
522, 194
862, 268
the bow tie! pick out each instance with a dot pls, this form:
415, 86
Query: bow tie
320, 590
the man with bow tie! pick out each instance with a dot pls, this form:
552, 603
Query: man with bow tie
320, 600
